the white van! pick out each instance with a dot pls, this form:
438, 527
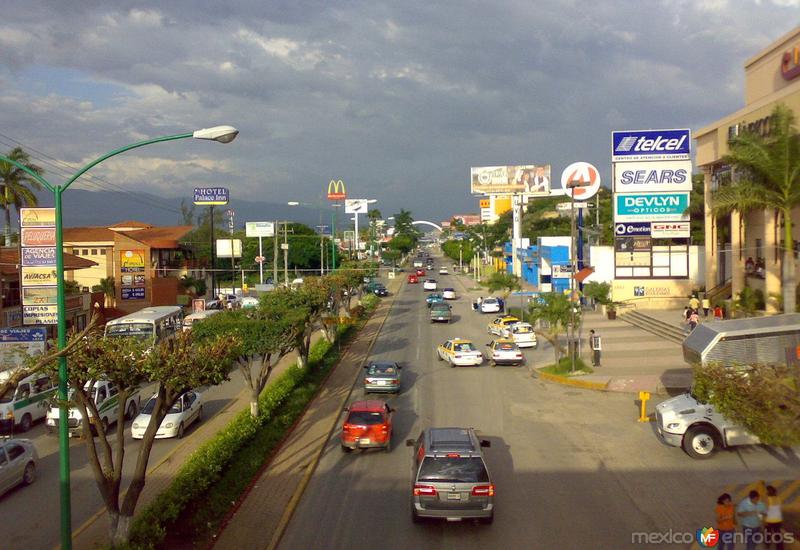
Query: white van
198, 316
26, 403
106, 397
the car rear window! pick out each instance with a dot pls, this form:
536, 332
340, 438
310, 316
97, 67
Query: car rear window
365, 418
489, 301
464, 347
381, 369
453, 470
522, 329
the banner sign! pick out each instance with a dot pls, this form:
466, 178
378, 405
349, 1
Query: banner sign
670, 230
37, 217
39, 276
631, 207
259, 229
632, 244
18, 343
641, 229
651, 145
561, 271
356, 206
39, 256
211, 196
132, 292
38, 236
529, 179
40, 315
669, 175
39, 296
131, 261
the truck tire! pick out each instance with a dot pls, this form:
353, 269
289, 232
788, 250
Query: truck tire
130, 413
26, 423
700, 442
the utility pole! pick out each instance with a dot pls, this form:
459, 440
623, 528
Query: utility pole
233, 256
460, 250
285, 247
213, 257
572, 255
334, 215
275, 237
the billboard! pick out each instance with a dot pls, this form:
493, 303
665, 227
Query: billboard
667, 207
131, 261
211, 196
336, 190
259, 229
529, 179
356, 206
633, 145
37, 217
224, 248
657, 176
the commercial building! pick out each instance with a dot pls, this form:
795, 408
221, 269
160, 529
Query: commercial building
744, 250
546, 265
146, 262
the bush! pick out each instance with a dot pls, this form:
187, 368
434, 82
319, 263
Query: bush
370, 302
357, 311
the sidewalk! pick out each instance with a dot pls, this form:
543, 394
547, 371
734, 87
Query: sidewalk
94, 532
266, 508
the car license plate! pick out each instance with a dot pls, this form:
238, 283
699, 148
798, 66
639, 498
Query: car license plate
381, 382
453, 496
364, 441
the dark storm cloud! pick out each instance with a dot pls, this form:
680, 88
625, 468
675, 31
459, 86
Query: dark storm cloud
396, 98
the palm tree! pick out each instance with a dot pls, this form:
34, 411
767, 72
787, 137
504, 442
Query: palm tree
17, 186
556, 310
768, 171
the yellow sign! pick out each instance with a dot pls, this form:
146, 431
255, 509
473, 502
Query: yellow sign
336, 190
39, 276
37, 217
131, 261
485, 203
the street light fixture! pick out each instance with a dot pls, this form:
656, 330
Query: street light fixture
221, 134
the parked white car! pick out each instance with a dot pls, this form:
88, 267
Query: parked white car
187, 409
249, 301
429, 284
18, 460
490, 305
523, 335
449, 294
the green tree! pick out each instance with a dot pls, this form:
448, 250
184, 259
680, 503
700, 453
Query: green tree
696, 210
177, 364
764, 399
108, 287
555, 311
767, 177
264, 337
402, 243
746, 302
17, 186
600, 292
453, 248
501, 281
374, 215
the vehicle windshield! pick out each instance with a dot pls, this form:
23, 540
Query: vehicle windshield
143, 331
151, 404
8, 396
382, 369
365, 418
453, 470
510, 321
465, 346
522, 329
440, 307
489, 301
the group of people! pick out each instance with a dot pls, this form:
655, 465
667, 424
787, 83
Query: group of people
691, 313
754, 268
761, 523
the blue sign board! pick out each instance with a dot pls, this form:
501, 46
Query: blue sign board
640, 229
632, 145
40, 256
132, 293
653, 207
211, 196
23, 335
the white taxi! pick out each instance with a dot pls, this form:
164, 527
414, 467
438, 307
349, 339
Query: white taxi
429, 284
186, 410
459, 353
501, 324
523, 335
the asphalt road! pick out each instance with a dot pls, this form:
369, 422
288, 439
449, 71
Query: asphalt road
573, 468
30, 515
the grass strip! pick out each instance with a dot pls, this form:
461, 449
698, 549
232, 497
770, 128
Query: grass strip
564, 367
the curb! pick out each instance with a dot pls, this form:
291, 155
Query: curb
563, 380
298, 494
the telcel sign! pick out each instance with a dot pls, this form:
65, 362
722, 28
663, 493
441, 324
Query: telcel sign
631, 207
651, 145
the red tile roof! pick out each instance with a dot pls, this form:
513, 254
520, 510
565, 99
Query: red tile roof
131, 223
88, 234
160, 237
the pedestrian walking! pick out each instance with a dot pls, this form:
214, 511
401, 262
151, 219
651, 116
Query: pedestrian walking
726, 521
718, 313
706, 306
750, 513
694, 303
694, 319
773, 522
596, 344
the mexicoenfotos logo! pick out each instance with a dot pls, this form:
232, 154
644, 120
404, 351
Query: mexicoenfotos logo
707, 537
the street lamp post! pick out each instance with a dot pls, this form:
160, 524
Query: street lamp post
222, 134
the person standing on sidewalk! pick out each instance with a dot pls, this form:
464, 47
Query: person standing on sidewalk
726, 521
706, 306
773, 523
750, 511
596, 343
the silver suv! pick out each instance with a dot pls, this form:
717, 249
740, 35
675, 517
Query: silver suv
451, 480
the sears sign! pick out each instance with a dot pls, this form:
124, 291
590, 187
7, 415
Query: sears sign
667, 175
633, 207
651, 145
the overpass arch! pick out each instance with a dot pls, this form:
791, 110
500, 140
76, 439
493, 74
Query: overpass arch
423, 222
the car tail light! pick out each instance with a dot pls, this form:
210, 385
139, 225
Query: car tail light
424, 490
395, 382
367, 381
346, 428
483, 491
453, 455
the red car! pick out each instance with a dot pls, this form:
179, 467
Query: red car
420, 273
412, 279
368, 424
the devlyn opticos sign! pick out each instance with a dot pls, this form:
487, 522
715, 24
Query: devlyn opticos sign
634, 207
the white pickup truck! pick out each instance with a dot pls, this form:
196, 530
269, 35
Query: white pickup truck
697, 427
106, 397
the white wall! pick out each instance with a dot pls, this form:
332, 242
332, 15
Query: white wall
601, 258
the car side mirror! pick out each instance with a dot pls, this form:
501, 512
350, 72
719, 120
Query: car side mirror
486, 443
366, 366
409, 442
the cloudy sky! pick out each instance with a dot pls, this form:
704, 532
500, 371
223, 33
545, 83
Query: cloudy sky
399, 99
